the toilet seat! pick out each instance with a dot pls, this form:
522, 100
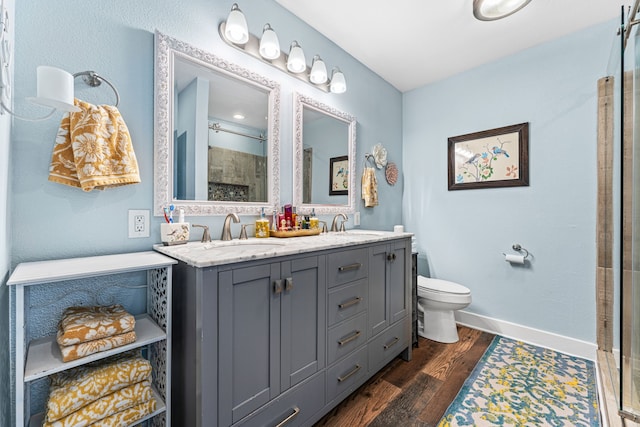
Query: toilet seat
443, 291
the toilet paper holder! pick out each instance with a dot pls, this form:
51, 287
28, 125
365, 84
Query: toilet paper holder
517, 247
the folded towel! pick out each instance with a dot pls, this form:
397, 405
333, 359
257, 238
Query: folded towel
75, 388
106, 406
128, 416
82, 324
84, 349
369, 187
93, 149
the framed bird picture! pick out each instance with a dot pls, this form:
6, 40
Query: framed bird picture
339, 176
491, 158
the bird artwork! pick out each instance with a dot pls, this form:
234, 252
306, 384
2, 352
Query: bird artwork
498, 150
473, 158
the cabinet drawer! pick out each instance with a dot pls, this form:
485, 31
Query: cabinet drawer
387, 345
347, 300
346, 266
292, 408
347, 375
346, 337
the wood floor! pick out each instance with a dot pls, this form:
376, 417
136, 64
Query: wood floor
415, 393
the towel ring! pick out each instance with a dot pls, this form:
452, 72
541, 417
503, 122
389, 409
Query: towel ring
93, 79
517, 247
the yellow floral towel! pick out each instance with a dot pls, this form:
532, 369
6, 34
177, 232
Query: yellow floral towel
107, 406
84, 349
93, 149
128, 416
82, 324
75, 388
369, 187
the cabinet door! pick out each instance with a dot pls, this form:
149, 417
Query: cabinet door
249, 338
303, 327
388, 297
399, 302
378, 313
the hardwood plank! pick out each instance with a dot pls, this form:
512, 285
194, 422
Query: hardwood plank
458, 373
363, 405
441, 365
409, 403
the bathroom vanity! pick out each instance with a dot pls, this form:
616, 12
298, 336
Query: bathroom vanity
279, 331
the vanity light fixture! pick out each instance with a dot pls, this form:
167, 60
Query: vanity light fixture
269, 43
237, 30
318, 73
490, 10
296, 63
338, 82
235, 33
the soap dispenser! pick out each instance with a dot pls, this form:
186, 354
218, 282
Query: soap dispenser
262, 225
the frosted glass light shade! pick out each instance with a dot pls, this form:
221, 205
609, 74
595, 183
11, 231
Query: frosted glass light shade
236, 29
296, 62
54, 89
318, 71
490, 10
338, 82
269, 43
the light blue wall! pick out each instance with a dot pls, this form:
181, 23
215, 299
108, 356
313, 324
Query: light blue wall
117, 41
461, 234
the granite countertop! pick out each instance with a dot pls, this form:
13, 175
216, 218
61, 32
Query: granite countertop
218, 252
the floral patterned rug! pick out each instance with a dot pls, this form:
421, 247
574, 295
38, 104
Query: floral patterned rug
518, 384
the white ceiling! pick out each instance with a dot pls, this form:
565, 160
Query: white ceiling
411, 43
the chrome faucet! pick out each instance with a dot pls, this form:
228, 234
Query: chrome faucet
226, 228
334, 224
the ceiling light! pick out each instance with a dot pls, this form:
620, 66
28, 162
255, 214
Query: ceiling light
236, 29
238, 116
269, 44
296, 62
490, 10
338, 83
318, 71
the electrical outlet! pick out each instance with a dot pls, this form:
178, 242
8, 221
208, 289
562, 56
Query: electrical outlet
138, 223
356, 218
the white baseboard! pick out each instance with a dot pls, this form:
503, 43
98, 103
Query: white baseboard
550, 340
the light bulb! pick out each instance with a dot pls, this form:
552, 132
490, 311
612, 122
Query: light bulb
296, 62
269, 44
318, 71
338, 82
236, 29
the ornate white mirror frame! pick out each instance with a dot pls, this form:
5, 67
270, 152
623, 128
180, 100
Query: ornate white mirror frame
301, 103
166, 49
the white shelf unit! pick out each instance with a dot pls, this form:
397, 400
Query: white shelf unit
41, 357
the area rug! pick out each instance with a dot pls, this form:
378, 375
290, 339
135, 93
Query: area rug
518, 384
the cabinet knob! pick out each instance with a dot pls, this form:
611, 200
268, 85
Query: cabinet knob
277, 286
288, 283
391, 257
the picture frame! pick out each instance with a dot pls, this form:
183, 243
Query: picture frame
489, 159
339, 176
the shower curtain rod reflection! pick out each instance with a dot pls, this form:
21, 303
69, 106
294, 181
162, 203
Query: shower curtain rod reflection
218, 128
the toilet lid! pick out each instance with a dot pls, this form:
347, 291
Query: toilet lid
439, 285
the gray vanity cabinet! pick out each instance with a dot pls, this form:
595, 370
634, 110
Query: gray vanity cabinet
271, 332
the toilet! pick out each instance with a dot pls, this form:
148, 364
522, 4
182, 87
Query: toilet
437, 300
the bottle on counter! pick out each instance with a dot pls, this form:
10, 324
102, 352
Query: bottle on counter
313, 221
262, 225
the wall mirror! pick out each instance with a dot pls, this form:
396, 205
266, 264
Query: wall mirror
324, 158
216, 134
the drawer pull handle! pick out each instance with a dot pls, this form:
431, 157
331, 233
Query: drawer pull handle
346, 377
391, 344
277, 286
354, 266
350, 338
350, 302
296, 411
